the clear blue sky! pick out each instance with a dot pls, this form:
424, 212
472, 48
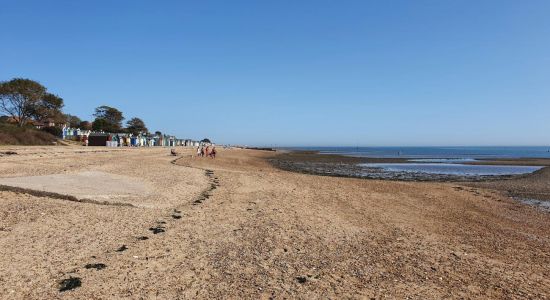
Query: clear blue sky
291, 73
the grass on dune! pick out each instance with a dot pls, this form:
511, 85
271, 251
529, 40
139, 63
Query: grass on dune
14, 135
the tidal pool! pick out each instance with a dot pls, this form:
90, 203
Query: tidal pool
442, 160
453, 169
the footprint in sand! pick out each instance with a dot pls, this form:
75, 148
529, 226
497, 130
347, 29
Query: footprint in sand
157, 229
69, 284
98, 266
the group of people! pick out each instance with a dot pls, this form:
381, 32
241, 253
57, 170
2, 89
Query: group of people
206, 151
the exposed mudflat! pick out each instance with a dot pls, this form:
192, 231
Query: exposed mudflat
343, 166
236, 227
534, 186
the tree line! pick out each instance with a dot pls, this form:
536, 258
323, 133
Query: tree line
25, 101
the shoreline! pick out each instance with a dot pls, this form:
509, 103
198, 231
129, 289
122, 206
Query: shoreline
315, 155
531, 186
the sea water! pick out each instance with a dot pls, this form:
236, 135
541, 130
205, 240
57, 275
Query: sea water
437, 152
454, 169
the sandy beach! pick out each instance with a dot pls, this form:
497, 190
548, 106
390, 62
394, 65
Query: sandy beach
142, 224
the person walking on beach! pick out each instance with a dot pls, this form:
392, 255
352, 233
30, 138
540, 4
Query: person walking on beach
206, 152
213, 152
199, 151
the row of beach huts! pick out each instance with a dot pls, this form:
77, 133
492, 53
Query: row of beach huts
91, 138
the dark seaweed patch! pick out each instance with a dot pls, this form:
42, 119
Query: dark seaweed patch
122, 248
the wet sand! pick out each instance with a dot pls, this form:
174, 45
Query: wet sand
532, 186
237, 227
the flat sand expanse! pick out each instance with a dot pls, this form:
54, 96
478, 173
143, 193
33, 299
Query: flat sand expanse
93, 186
235, 227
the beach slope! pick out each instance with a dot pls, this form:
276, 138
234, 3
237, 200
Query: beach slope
236, 227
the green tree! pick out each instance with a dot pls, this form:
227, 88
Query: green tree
25, 99
86, 125
100, 125
73, 121
49, 107
136, 126
19, 98
108, 119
